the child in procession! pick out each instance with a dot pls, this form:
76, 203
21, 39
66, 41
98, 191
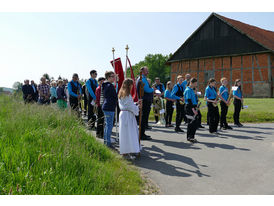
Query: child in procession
191, 110
128, 129
224, 96
169, 104
238, 102
213, 111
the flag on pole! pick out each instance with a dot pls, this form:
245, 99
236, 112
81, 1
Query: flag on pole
118, 71
134, 90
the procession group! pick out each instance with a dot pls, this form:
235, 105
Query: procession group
102, 100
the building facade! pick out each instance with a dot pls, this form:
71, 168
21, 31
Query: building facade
222, 47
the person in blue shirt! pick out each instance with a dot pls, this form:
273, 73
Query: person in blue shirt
213, 111
178, 94
53, 92
185, 82
156, 100
238, 102
199, 116
191, 110
169, 104
147, 100
224, 94
91, 85
75, 93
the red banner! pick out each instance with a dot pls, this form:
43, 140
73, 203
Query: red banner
134, 90
118, 71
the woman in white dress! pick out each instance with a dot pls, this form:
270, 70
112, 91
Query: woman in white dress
128, 129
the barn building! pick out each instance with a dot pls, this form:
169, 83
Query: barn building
223, 47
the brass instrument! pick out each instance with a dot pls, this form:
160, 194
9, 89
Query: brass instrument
229, 98
217, 99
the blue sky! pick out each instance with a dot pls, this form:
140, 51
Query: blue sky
32, 44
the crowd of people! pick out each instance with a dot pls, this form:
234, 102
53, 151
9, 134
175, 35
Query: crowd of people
102, 100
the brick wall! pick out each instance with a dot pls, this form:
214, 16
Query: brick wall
251, 69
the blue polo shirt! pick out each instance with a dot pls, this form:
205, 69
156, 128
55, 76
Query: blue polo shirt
147, 88
159, 87
71, 93
224, 92
175, 90
210, 93
184, 83
238, 93
88, 85
168, 94
190, 94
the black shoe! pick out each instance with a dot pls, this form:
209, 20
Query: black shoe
146, 137
148, 127
241, 125
192, 140
170, 125
228, 127
178, 130
238, 125
201, 126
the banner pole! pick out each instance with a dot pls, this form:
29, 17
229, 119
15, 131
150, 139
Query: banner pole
127, 48
113, 50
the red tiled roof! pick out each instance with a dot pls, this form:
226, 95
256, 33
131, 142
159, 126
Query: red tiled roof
261, 36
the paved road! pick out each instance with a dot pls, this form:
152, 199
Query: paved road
240, 161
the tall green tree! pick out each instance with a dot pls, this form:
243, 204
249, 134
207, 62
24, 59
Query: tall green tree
157, 67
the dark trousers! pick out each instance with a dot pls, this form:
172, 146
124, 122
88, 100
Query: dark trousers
53, 100
224, 109
169, 112
145, 115
85, 103
213, 113
192, 124
199, 118
180, 113
73, 102
91, 116
100, 122
237, 109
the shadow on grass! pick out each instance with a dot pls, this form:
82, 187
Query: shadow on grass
154, 158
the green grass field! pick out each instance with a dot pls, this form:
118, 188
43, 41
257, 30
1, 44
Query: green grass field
46, 151
258, 111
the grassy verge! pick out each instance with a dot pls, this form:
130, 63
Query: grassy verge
259, 110
46, 151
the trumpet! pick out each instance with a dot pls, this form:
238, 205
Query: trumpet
229, 98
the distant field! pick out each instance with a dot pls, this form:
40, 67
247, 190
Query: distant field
46, 151
258, 111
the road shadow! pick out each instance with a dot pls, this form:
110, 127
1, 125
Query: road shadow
250, 131
154, 158
180, 145
161, 129
222, 146
243, 137
263, 128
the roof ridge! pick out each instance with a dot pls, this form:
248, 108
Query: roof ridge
253, 35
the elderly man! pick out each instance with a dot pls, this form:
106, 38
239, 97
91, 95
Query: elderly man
44, 92
147, 100
27, 92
